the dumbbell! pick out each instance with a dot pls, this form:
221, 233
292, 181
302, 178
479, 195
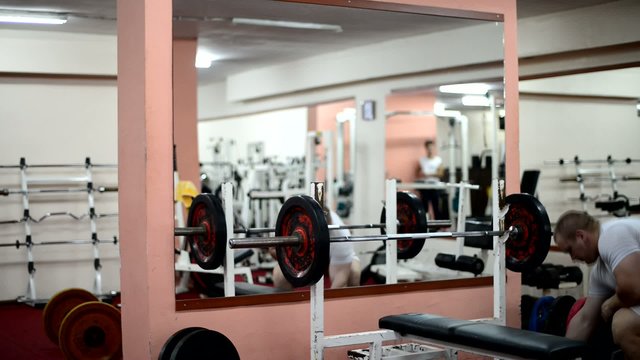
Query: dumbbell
82, 326
472, 264
549, 276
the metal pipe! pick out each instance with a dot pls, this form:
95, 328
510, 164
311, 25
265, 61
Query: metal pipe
17, 244
241, 243
430, 223
247, 243
188, 231
58, 166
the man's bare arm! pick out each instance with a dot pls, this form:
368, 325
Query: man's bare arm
628, 280
585, 321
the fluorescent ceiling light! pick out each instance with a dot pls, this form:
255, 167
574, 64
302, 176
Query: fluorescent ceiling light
32, 17
439, 109
475, 100
286, 24
472, 89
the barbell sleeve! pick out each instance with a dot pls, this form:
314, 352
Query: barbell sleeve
247, 243
189, 231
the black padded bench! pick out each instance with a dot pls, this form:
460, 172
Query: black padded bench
485, 337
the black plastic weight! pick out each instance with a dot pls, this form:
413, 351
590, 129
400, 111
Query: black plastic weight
204, 344
172, 342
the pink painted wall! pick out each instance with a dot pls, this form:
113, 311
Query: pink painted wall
406, 134
145, 134
322, 117
185, 109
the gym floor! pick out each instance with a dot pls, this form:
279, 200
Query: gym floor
22, 334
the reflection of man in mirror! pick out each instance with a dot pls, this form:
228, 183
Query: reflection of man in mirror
431, 171
344, 267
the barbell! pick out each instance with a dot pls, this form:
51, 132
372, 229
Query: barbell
302, 237
206, 229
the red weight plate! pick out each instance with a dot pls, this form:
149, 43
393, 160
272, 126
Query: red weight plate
528, 249
59, 306
306, 263
207, 250
413, 219
91, 331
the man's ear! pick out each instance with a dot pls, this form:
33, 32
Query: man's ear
581, 235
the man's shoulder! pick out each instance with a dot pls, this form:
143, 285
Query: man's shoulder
615, 227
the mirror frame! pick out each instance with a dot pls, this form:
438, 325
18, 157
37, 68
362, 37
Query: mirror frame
303, 295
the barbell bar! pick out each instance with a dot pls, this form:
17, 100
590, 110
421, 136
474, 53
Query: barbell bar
19, 243
431, 223
101, 189
302, 237
245, 243
206, 230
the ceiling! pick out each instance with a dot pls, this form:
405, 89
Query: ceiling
243, 47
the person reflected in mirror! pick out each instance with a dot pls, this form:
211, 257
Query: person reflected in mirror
344, 266
613, 299
431, 171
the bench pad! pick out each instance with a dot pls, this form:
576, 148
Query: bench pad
490, 337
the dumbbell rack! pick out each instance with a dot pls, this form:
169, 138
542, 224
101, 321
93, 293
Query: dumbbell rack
27, 180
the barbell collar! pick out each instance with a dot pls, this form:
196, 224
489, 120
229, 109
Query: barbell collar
253, 242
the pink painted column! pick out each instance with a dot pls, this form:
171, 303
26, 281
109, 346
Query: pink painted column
145, 176
512, 142
185, 109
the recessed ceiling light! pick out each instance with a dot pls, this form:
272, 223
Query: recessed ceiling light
32, 17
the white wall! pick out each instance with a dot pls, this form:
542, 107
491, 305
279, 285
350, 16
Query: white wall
57, 52
57, 121
283, 133
560, 127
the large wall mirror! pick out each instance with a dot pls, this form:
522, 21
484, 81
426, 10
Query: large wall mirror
347, 94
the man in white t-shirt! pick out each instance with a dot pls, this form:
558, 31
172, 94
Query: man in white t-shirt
431, 171
614, 284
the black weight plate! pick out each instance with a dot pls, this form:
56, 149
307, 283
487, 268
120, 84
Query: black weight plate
208, 250
306, 263
172, 342
413, 219
205, 344
530, 247
556, 323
